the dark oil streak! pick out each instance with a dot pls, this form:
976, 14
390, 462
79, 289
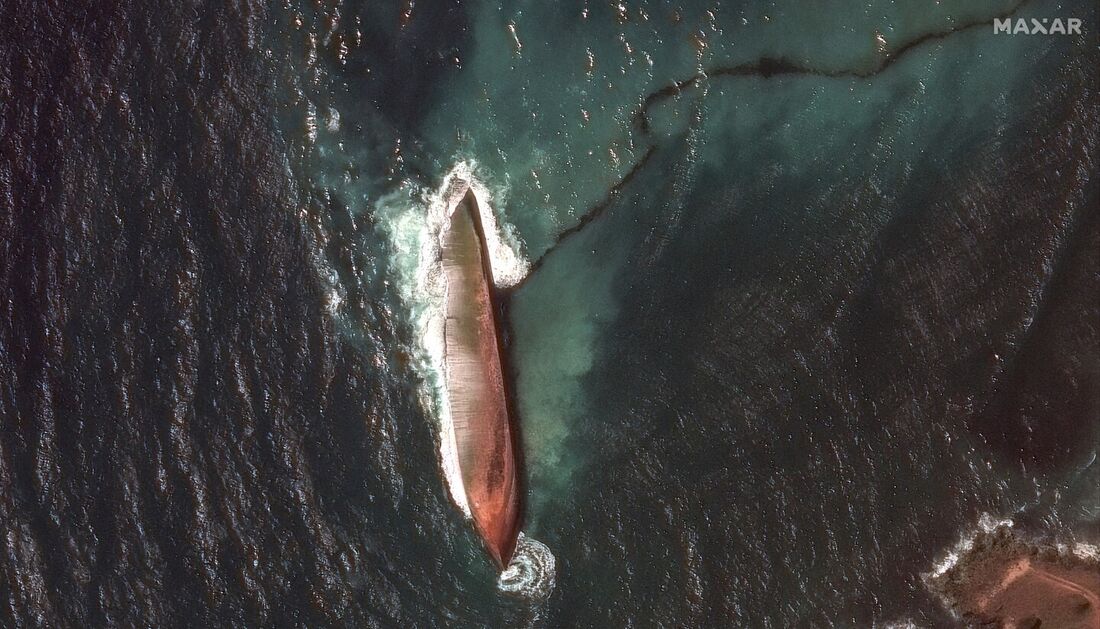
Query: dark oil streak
592, 214
769, 67
764, 68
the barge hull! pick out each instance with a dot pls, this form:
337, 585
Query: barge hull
477, 387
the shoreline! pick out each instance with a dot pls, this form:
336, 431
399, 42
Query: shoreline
1004, 580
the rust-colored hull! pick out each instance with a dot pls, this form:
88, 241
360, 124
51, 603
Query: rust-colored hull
477, 386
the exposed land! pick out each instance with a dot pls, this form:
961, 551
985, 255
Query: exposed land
1005, 581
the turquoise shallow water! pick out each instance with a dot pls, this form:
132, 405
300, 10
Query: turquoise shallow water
773, 379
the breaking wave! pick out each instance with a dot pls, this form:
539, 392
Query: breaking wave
986, 524
531, 572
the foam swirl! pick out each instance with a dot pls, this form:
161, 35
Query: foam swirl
531, 572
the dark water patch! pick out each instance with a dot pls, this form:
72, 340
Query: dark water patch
398, 70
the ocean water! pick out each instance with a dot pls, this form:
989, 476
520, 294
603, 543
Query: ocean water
798, 295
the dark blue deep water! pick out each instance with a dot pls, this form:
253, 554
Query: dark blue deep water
809, 291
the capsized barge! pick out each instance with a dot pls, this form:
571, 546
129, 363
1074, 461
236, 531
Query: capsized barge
477, 384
